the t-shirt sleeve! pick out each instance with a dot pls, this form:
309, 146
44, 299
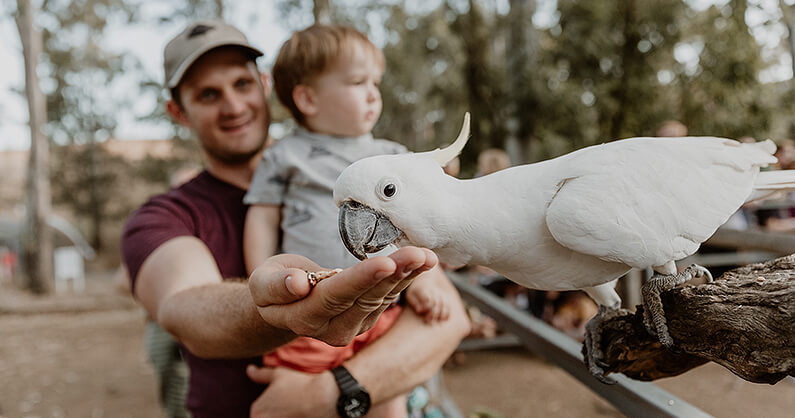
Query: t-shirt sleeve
269, 182
151, 226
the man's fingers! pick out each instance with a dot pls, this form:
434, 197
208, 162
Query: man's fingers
345, 288
262, 375
409, 261
372, 318
274, 283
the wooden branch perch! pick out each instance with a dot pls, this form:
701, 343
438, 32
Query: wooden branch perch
744, 321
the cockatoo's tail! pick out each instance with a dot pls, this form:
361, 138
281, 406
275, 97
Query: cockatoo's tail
364, 229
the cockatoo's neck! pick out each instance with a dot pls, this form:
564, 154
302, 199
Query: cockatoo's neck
469, 206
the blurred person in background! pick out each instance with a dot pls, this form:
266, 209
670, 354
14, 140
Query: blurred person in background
778, 215
671, 128
8, 263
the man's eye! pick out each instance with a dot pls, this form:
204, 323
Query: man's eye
242, 83
208, 95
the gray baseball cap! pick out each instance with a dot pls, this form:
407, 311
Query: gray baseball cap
193, 42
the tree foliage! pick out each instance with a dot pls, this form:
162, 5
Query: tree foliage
594, 72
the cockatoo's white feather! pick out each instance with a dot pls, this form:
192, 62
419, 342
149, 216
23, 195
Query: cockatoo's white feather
574, 222
646, 201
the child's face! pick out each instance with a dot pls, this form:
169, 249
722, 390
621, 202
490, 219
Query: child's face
346, 100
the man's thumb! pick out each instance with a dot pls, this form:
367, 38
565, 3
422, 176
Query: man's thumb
262, 375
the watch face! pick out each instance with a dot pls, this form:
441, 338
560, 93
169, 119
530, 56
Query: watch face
355, 405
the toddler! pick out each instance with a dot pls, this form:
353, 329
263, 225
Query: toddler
328, 78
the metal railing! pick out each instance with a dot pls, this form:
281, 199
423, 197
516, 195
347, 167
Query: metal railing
633, 398
776, 242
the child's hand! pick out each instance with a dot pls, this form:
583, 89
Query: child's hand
428, 301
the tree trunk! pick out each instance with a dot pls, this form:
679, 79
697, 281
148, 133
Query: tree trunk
789, 21
322, 11
37, 240
97, 209
520, 56
744, 321
629, 60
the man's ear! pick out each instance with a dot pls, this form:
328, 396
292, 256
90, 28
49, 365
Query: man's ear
304, 98
177, 112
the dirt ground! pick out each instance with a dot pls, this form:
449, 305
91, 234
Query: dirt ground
82, 356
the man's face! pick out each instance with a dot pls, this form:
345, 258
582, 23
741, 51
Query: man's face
224, 103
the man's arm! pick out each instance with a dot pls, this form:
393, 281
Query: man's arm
412, 350
180, 286
406, 356
261, 234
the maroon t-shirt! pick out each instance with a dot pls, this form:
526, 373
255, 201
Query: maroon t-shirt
213, 211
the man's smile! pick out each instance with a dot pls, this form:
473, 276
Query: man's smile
236, 126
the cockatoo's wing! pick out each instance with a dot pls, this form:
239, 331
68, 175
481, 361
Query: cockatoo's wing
647, 201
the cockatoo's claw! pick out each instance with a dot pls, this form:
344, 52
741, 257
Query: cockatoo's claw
653, 313
599, 363
593, 345
700, 271
599, 375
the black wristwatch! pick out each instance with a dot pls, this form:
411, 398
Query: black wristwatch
354, 401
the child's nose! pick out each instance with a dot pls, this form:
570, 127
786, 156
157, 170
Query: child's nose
373, 93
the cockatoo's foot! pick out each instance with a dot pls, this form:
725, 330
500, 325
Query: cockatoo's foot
653, 313
593, 344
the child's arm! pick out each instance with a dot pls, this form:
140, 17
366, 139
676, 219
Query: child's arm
427, 297
260, 234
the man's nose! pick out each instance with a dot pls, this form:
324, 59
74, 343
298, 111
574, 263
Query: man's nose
233, 104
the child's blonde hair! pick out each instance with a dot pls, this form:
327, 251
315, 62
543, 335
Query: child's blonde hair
311, 52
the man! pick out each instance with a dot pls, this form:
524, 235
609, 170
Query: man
184, 254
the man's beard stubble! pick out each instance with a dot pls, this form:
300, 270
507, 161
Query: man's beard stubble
235, 158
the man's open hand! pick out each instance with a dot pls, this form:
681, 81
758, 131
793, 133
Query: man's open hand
338, 308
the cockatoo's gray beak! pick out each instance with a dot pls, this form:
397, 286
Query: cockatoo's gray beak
363, 230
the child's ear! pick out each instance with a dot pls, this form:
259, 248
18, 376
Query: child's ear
304, 99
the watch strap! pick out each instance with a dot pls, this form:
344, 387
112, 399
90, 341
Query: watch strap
346, 382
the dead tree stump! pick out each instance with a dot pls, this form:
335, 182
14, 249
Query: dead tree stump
744, 321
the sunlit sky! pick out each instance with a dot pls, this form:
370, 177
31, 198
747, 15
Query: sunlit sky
261, 23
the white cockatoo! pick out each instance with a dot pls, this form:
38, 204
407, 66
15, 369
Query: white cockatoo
579, 221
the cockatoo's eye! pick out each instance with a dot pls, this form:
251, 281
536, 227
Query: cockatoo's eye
387, 188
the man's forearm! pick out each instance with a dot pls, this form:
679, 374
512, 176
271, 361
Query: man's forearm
410, 352
219, 320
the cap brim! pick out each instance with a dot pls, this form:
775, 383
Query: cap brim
187, 62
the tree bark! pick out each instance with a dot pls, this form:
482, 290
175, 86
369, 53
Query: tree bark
322, 11
789, 21
37, 240
744, 321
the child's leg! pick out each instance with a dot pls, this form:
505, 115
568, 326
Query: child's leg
393, 408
